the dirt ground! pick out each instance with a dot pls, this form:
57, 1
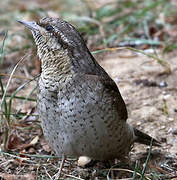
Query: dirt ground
150, 95
151, 98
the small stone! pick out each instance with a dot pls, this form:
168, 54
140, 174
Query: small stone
174, 132
163, 84
163, 140
83, 161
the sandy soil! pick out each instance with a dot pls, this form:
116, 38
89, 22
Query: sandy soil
151, 106
151, 98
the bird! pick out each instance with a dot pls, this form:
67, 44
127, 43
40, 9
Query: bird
80, 107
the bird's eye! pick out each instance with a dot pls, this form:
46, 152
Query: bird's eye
49, 28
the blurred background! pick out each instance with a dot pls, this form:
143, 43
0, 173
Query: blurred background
103, 22
145, 27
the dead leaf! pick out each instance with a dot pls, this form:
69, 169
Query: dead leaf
15, 143
34, 141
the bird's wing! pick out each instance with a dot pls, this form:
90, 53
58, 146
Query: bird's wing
110, 92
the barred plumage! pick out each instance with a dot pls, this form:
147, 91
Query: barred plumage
80, 107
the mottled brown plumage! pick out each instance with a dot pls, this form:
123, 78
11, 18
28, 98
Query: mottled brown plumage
80, 106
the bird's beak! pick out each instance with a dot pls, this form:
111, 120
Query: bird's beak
32, 25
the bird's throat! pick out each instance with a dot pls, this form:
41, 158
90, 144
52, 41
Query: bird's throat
55, 63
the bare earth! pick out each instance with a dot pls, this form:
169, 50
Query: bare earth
151, 108
151, 98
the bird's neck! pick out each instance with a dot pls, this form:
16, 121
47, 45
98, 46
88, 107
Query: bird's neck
63, 63
83, 62
55, 63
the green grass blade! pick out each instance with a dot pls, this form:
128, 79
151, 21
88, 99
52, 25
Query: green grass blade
147, 160
2, 47
5, 103
17, 90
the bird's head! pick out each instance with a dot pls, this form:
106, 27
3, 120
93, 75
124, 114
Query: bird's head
60, 46
54, 34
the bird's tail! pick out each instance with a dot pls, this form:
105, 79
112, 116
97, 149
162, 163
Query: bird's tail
143, 138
